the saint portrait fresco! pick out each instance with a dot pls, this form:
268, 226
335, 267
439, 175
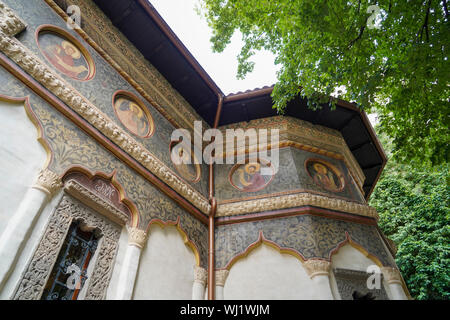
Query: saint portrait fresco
188, 168
325, 175
65, 55
133, 115
248, 177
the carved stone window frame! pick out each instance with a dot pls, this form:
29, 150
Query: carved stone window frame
348, 281
95, 213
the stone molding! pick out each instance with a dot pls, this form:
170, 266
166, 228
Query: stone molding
316, 267
136, 237
295, 200
30, 63
200, 275
392, 275
221, 277
10, 23
48, 182
75, 189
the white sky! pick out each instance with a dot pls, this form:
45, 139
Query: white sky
195, 34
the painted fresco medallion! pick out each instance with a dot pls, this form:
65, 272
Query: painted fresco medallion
252, 176
325, 175
189, 167
133, 114
65, 53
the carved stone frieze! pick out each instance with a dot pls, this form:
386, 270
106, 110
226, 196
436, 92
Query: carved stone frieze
10, 23
37, 272
292, 201
29, 62
221, 277
83, 194
48, 181
316, 267
136, 237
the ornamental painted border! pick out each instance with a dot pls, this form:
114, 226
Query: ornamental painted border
10, 25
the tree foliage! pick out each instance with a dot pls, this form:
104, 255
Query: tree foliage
393, 60
413, 204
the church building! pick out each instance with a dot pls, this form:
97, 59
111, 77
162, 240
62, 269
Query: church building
94, 207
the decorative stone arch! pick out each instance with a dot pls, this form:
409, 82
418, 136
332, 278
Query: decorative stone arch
262, 240
97, 208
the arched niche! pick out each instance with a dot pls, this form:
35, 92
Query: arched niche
24, 152
267, 271
166, 269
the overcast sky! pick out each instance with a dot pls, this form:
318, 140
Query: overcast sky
195, 33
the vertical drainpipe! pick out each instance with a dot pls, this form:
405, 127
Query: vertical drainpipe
212, 199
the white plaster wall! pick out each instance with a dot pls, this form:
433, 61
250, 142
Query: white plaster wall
267, 274
21, 157
166, 269
351, 258
30, 247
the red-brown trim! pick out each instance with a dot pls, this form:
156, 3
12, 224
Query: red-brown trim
291, 212
96, 135
211, 251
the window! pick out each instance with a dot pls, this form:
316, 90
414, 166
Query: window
69, 273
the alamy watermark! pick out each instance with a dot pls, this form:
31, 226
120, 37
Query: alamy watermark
74, 18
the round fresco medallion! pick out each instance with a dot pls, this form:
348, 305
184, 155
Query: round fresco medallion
186, 165
252, 176
65, 53
133, 114
325, 175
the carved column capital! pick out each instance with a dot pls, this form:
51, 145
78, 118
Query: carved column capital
200, 275
136, 237
48, 182
392, 275
316, 267
10, 23
221, 277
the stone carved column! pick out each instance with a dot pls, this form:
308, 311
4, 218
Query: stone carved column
394, 279
198, 288
20, 225
221, 278
319, 272
130, 263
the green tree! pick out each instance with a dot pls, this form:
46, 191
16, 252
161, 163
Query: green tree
391, 58
413, 204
